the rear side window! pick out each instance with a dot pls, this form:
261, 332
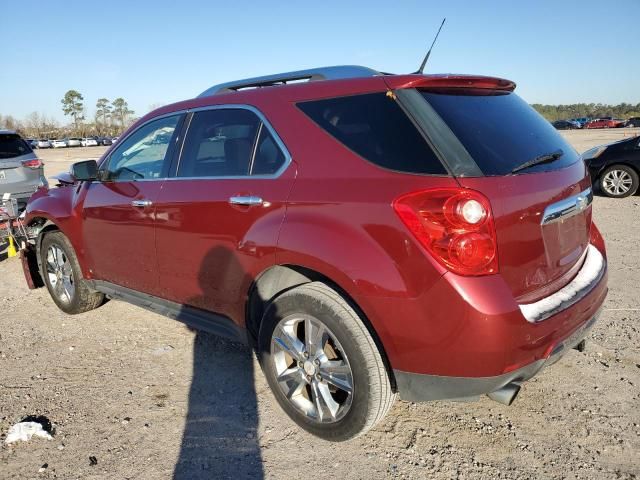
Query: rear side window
269, 158
500, 130
222, 142
376, 128
12, 145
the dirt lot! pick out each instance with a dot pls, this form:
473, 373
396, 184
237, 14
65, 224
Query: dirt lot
150, 399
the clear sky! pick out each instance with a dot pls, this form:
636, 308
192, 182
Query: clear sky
562, 51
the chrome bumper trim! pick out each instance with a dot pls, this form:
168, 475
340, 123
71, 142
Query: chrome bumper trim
588, 277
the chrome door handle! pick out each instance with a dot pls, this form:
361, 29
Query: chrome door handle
245, 200
141, 203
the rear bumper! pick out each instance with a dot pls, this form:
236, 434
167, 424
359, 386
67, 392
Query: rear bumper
473, 327
415, 387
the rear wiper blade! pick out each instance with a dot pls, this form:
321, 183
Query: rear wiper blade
544, 158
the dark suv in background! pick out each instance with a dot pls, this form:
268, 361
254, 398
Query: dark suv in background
369, 234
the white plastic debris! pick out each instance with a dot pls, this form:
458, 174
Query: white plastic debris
24, 431
580, 286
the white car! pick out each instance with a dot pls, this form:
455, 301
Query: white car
73, 142
89, 142
44, 143
59, 143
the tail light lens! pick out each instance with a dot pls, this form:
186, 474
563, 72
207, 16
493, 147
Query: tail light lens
455, 226
33, 164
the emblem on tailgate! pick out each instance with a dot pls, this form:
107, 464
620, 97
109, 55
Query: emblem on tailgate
568, 207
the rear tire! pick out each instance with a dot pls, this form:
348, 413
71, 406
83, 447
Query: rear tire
619, 181
63, 277
322, 364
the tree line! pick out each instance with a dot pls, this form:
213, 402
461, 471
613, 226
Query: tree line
592, 110
110, 119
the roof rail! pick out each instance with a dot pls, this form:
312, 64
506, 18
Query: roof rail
313, 74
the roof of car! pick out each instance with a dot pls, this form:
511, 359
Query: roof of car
6, 131
325, 82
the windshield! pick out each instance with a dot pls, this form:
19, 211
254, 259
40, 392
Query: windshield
500, 130
11, 145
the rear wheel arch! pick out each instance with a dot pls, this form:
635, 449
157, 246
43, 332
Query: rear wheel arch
279, 279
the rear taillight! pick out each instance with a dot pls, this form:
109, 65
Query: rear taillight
455, 225
33, 164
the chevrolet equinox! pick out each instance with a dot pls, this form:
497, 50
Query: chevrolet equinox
369, 234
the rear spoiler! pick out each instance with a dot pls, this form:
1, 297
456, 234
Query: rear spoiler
395, 82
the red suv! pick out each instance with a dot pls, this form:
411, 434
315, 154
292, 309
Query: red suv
369, 234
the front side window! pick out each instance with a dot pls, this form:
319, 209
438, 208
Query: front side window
141, 156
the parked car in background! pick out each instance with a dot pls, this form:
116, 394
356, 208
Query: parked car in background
462, 261
633, 122
33, 143
114, 139
615, 167
74, 142
44, 143
106, 141
580, 120
565, 125
603, 123
89, 142
59, 143
21, 172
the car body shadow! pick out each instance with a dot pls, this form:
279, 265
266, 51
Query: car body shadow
220, 439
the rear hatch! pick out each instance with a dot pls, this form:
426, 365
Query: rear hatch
14, 177
542, 211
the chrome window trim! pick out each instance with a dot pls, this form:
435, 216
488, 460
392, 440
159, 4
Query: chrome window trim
264, 122
173, 174
567, 207
120, 141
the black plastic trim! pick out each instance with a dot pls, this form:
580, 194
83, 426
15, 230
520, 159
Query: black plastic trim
194, 317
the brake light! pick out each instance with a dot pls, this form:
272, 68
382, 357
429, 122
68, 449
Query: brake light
455, 225
33, 164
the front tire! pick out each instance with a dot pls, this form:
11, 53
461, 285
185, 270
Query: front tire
619, 181
322, 364
63, 277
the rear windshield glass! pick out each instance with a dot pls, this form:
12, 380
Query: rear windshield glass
11, 145
376, 128
500, 130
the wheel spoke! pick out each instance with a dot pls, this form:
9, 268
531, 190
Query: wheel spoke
338, 374
58, 289
315, 336
292, 385
67, 287
325, 405
59, 256
51, 268
289, 343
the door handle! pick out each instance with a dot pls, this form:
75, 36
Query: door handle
245, 200
141, 203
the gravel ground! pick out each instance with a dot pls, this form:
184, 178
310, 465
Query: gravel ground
134, 395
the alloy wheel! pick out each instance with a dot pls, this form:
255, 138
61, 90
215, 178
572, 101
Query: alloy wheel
311, 368
617, 182
60, 274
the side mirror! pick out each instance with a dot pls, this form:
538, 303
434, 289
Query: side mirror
85, 171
